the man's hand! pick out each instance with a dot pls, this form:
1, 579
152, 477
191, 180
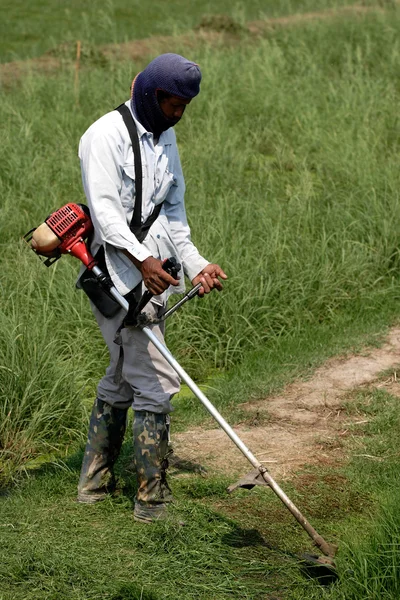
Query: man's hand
155, 278
209, 279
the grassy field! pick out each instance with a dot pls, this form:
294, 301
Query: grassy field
291, 161
30, 28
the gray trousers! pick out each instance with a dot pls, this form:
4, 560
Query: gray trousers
148, 382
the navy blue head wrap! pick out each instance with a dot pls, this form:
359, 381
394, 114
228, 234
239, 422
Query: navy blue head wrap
168, 72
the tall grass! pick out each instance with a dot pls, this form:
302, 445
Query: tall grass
368, 560
41, 385
30, 28
368, 563
374, 561
290, 156
293, 182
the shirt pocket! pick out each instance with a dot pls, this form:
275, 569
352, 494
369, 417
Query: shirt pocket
165, 180
128, 187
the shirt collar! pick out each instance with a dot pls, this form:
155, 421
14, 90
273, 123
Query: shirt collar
142, 131
164, 137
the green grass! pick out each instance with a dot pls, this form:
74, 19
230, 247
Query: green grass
30, 29
290, 156
369, 554
243, 545
302, 216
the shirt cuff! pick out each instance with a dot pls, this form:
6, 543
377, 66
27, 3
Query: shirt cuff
138, 251
195, 267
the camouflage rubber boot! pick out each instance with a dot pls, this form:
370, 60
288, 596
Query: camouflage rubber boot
106, 433
150, 446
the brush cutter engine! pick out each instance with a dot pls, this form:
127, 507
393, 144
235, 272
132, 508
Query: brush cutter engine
63, 232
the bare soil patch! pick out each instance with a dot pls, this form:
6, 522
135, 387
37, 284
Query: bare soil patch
259, 27
306, 423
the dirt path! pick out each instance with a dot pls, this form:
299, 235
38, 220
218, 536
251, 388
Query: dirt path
306, 423
221, 30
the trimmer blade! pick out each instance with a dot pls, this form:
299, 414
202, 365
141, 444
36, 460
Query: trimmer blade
322, 568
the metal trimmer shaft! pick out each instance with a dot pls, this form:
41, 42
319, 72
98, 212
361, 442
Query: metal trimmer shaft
261, 472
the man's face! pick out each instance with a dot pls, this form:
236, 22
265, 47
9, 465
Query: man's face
173, 107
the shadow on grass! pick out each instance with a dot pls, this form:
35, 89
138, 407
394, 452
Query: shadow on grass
41, 469
124, 472
311, 568
132, 591
243, 538
308, 564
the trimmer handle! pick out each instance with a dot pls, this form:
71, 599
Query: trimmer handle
170, 266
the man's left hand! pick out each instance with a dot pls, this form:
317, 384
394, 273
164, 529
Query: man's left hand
209, 278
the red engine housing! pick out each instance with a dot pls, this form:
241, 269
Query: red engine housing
72, 225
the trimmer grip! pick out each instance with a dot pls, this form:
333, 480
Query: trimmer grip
172, 267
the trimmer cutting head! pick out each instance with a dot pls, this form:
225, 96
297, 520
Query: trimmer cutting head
322, 568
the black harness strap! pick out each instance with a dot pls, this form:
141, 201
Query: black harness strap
99, 294
138, 228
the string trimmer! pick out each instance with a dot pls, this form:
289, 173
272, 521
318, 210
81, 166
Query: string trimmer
65, 232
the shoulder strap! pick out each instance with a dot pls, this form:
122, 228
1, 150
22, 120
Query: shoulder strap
138, 228
130, 125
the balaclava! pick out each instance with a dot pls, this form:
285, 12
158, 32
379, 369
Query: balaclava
168, 72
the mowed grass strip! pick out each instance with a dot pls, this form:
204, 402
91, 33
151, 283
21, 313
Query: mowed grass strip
245, 545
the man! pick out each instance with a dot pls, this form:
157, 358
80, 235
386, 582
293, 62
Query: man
144, 379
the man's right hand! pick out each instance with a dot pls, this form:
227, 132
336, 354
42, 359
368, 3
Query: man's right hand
155, 278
